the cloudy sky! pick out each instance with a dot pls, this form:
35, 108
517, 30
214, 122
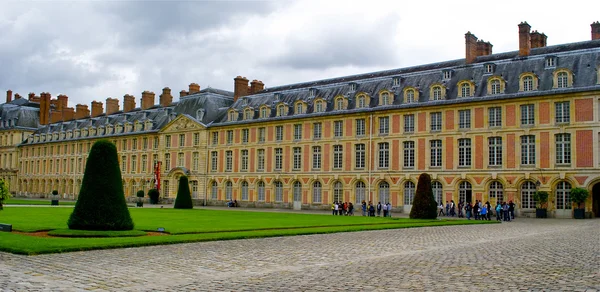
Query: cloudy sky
94, 50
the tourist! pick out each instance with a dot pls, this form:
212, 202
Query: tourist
384, 207
461, 205
379, 209
334, 207
371, 210
350, 209
447, 208
505, 212
475, 209
484, 211
452, 208
441, 207
389, 207
511, 210
489, 210
364, 208
498, 211
468, 209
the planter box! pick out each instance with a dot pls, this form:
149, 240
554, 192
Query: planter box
140, 204
54, 203
541, 213
579, 213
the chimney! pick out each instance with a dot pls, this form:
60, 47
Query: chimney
128, 103
31, 96
8, 96
240, 87
256, 86
595, 30
524, 39
17, 96
64, 100
44, 107
55, 117
68, 114
183, 93
81, 111
471, 48
97, 108
112, 106
194, 87
147, 99
484, 48
538, 40
166, 98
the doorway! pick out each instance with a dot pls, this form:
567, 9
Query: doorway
596, 200
469, 196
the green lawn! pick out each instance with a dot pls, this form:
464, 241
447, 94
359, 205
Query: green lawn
186, 226
35, 202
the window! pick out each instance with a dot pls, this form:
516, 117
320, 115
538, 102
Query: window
317, 192
233, 115
436, 121
297, 165
464, 119
195, 161
465, 89
248, 114
134, 145
245, 136
278, 158
528, 150
167, 142
338, 156
144, 164
527, 191
228, 191
263, 112
319, 107
464, 152
495, 86
297, 191
527, 83
495, 116
409, 192
527, 114
352, 87
563, 113
489, 68
260, 160
339, 103
181, 141
436, 188
464, 192
436, 153
194, 184
409, 154
297, 132
244, 160
409, 123
124, 144
144, 143
495, 151
360, 190
550, 62
278, 191
244, 191
180, 160
261, 191
562, 80
338, 192
410, 95
396, 81
167, 161
281, 111
228, 160
317, 130
385, 98
261, 135
215, 138
214, 160
384, 192
496, 191
166, 188
338, 129
563, 148
299, 109
563, 196
316, 164
360, 127
360, 155
229, 137
436, 92
384, 155
279, 133
361, 101
447, 74
384, 125
214, 190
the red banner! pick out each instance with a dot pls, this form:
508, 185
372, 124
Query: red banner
157, 175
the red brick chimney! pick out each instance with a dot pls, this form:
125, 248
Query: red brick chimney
68, 114
183, 93
538, 40
17, 96
64, 100
44, 108
128, 103
484, 48
595, 30
112, 106
524, 39
81, 111
194, 87
240, 87
471, 47
31, 96
166, 98
56, 114
256, 86
8, 96
97, 108
147, 99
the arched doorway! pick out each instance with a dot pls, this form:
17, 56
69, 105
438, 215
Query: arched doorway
596, 200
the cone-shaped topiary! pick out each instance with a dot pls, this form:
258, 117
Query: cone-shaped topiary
101, 204
154, 195
184, 199
424, 205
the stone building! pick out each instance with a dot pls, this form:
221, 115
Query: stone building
491, 127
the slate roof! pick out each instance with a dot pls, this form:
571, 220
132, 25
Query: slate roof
19, 114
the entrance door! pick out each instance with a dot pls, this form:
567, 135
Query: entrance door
297, 192
596, 200
469, 196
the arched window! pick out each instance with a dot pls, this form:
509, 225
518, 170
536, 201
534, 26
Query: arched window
436, 187
360, 192
249, 114
384, 192
263, 112
319, 106
261, 191
495, 86
281, 110
339, 103
465, 89
244, 191
317, 192
297, 191
496, 192
562, 80
464, 192
299, 109
527, 83
437, 93
232, 116
563, 196
214, 191
527, 191
338, 195
228, 191
278, 191
361, 101
409, 192
385, 98
410, 96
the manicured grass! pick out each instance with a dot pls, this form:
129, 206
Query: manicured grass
95, 233
186, 226
36, 202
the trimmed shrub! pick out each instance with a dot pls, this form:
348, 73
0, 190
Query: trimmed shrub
541, 197
578, 196
55, 193
4, 192
140, 194
101, 204
184, 199
153, 194
424, 205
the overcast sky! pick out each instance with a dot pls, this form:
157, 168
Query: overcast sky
94, 50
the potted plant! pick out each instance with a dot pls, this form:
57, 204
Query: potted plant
55, 197
541, 197
140, 201
578, 196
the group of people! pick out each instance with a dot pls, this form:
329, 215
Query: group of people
345, 208
369, 210
479, 210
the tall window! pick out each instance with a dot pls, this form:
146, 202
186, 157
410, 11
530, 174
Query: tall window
195, 161
563, 148
214, 159
385, 98
527, 114
297, 165
316, 163
384, 155
214, 190
181, 141
563, 196
410, 96
409, 154
436, 188
527, 191
562, 80
384, 125
244, 191
338, 129
563, 114
464, 119
245, 135
228, 190
436, 153
317, 130
278, 158
244, 160
495, 86
133, 164
495, 151
281, 111
180, 159
196, 139
361, 190
261, 191
360, 127
278, 191
409, 123
167, 142
229, 136
297, 191
144, 143
436, 121
527, 83
496, 192
298, 132
144, 164
528, 150
338, 192
299, 108
384, 192
228, 160
194, 184
361, 101
464, 189
167, 161
279, 133
409, 192
437, 93
263, 112
317, 192
134, 145
215, 138
464, 152
465, 90
359, 155
319, 107
338, 156
495, 116
339, 104
260, 160
166, 188
261, 135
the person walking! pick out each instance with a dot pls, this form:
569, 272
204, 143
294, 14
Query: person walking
511, 209
378, 209
334, 208
461, 206
468, 209
371, 210
364, 208
389, 207
447, 208
505, 213
484, 211
489, 210
452, 208
441, 209
498, 211
384, 207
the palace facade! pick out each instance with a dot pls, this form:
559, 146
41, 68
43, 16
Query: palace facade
491, 127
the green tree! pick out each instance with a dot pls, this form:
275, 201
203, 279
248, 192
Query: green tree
579, 195
154, 195
424, 205
4, 192
140, 194
184, 199
101, 204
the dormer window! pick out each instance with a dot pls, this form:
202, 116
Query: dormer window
43, 137
437, 92
352, 87
319, 106
148, 125
248, 114
62, 135
385, 99
101, 130
200, 114
244, 101
495, 85
528, 82
263, 112
69, 134
361, 101
77, 133
465, 89
396, 82
109, 129
299, 108
550, 62
277, 97
128, 127
340, 103
281, 110
119, 128
411, 95
446, 74
92, 131
312, 92
232, 115
489, 68
138, 126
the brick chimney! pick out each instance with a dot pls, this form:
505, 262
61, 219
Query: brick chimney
97, 108
56, 114
112, 106
538, 40
524, 39
8, 96
194, 87
256, 86
64, 100
31, 96
17, 96
240, 87
68, 114
183, 93
484, 48
147, 99
44, 108
128, 103
471, 48
595, 30
166, 98
81, 111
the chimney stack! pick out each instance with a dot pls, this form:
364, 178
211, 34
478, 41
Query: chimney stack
194, 87
166, 98
128, 103
524, 39
97, 108
112, 106
484, 48
44, 107
17, 96
81, 111
147, 99
595, 30
68, 114
240, 87
64, 100
8, 96
183, 93
256, 86
31, 96
538, 40
471, 48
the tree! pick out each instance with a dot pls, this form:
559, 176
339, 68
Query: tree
101, 204
424, 205
541, 197
4, 192
579, 195
184, 199
153, 194
140, 194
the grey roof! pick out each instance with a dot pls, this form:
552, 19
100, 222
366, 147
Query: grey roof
19, 114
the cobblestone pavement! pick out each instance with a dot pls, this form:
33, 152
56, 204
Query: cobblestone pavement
527, 254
